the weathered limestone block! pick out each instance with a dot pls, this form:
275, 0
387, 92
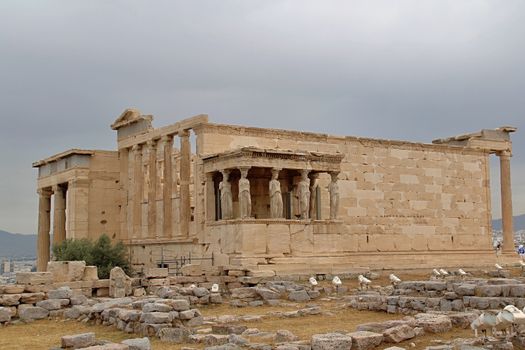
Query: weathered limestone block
200, 292
283, 335
517, 291
31, 313
156, 307
244, 293
398, 334
488, 290
34, 278
13, 289
5, 314
298, 295
267, 294
110, 346
138, 343
363, 340
66, 271
50, 304
155, 317
192, 270
261, 273
433, 323
156, 272
331, 341
463, 319
225, 328
435, 285
31, 298
174, 335
60, 293
119, 283
90, 273
10, 299
78, 340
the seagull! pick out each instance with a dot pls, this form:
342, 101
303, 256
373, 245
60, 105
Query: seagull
462, 272
498, 266
336, 281
394, 279
193, 286
436, 273
313, 281
215, 288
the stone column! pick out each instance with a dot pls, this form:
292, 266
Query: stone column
124, 188
78, 208
276, 197
185, 171
245, 199
333, 189
44, 207
138, 182
59, 215
313, 195
167, 187
152, 189
506, 202
304, 195
226, 196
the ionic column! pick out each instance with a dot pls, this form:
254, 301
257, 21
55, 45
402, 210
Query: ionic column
152, 189
124, 187
185, 164
167, 187
506, 201
44, 207
138, 183
59, 215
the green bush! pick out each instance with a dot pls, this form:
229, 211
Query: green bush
100, 253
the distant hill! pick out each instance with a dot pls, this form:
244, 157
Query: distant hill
15, 245
519, 223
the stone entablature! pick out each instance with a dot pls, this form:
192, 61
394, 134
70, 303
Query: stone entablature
267, 158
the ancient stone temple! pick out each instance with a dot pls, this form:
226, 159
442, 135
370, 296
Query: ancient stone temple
287, 201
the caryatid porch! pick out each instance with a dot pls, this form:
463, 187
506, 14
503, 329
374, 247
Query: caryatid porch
251, 183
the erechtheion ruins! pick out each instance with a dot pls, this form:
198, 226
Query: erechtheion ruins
283, 200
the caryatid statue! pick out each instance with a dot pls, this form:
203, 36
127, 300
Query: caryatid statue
276, 198
304, 195
245, 199
333, 188
226, 196
313, 195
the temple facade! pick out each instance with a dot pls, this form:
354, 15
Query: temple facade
287, 201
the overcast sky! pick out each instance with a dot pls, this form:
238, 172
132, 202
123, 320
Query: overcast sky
409, 70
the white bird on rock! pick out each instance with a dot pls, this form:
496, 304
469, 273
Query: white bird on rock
215, 288
435, 273
462, 272
313, 281
498, 266
336, 281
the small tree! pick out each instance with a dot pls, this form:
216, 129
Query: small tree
100, 253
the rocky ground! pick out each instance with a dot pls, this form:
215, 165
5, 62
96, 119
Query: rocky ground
415, 314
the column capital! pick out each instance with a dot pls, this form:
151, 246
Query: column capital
167, 138
504, 154
57, 188
152, 143
44, 192
184, 133
136, 147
